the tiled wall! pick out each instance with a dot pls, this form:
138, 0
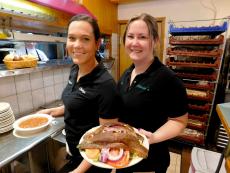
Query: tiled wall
27, 92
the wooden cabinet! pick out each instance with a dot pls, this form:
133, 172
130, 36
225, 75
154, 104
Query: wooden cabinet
223, 111
106, 14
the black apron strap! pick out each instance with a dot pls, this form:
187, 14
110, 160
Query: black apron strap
39, 58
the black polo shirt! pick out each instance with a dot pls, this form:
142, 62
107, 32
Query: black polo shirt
152, 98
94, 96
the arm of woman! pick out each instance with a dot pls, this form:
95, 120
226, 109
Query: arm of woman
54, 112
172, 128
83, 167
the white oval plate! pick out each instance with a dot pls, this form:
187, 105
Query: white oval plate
34, 129
104, 165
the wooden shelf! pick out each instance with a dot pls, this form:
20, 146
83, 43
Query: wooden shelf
223, 111
227, 165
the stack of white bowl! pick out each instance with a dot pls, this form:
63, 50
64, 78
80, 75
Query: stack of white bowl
6, 117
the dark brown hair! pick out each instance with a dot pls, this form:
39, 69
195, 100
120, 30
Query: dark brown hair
150, 22
93, 23
90, 20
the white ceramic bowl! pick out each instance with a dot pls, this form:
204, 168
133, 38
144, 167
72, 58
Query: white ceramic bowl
32, 129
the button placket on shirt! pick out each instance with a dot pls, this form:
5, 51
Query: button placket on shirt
134, 83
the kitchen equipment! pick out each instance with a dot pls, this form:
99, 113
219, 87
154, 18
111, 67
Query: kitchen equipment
6, 117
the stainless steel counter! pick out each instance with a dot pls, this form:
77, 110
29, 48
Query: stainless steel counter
60, 137
11, 147
51, 64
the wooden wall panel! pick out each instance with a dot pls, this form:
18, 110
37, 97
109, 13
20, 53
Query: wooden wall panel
106, 14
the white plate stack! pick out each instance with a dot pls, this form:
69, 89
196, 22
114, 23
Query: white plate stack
6, 117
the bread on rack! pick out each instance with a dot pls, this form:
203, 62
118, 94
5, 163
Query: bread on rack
196, 93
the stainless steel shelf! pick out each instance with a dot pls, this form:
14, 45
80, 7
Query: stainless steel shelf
55, 63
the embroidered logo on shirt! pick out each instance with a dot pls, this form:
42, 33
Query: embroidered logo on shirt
143, 87
70, 82
82, 90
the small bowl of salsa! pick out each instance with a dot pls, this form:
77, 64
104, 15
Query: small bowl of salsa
33, 123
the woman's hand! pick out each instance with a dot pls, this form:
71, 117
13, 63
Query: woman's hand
82, 167
148, 134
54, 112
172, 128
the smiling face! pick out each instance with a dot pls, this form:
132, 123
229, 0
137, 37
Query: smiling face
81, 44
139, 44
30, 45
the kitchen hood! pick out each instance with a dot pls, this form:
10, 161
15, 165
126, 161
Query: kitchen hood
68, 6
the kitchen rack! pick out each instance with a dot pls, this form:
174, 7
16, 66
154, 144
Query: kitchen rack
198, 30
195, 54
199, 41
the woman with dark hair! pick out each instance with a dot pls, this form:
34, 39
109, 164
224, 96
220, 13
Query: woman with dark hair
90, 97
154, 97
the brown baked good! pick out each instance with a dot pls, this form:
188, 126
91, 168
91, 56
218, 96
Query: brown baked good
13, 57
17, 58
13, 61
196, 93
9, 57
30, 57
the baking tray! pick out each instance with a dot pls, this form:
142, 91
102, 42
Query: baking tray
205, 107
211, 77
203, 30
206, 86
193, 64
204, 53
208, 41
